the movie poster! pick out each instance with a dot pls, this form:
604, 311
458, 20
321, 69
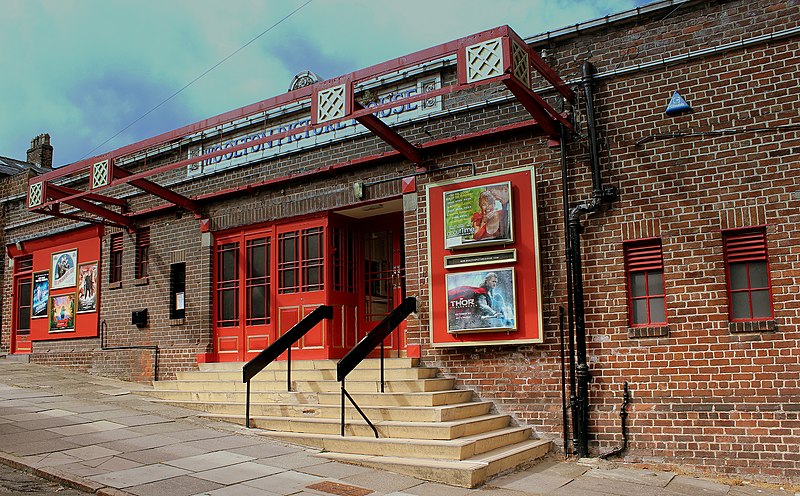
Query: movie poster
477, 216
41, 294
87, 287
62, 313
482, 300
63, 269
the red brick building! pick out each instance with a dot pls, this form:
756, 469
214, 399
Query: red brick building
360, 190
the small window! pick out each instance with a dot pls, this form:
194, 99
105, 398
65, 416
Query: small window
313, 259
177, 290
288, 263
23, 264
115, 261
645, 273
747, 271
142, 252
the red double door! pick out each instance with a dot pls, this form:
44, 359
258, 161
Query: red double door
267, 278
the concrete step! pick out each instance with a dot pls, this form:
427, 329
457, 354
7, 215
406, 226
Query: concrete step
213, 384
371, 363
424, 398
455, 449
470, 473
386, 428
266, 375
446, 413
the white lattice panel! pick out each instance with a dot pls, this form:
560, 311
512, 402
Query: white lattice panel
484, 60
521, 64
331, 103
35, 195
100, 174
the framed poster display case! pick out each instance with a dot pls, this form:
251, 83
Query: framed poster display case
483, 264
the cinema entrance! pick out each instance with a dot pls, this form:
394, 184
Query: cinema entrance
266, 278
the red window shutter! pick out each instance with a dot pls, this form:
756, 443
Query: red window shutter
746, 247
116, 242
23, 264
143, 238
641, 257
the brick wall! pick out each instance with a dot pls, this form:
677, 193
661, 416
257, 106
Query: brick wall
703, 396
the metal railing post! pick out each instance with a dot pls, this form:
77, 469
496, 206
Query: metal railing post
247, 407
382, 381
289, 369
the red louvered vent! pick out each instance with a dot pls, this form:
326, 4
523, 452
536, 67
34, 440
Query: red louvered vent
23, 264
644, 256
116, 242
746, 247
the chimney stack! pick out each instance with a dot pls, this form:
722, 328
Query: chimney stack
40, 152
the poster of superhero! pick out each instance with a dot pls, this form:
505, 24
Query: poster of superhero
481, 301
476, 216
62, 313
41, 294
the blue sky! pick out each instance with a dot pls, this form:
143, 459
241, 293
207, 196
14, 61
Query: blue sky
82, 70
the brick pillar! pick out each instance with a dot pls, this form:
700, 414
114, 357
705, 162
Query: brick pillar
40, 152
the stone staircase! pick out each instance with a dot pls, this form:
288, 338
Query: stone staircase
427, 429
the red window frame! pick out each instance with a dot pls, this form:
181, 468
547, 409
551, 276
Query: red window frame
23, 276
256, 282
746, 254
644, 261
301, 260
115, 258
142, 252
343, 256
225, 284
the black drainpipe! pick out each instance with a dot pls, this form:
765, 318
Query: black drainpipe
580, 408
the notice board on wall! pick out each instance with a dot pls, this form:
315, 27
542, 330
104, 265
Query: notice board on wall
483, 246
65, 284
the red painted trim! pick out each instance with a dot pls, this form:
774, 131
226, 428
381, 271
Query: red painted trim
390, 136
413, 59
351, 164
409, 184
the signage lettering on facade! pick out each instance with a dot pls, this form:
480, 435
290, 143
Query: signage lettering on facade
308, 138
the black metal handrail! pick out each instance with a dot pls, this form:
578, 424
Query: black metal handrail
364, 347
276, 349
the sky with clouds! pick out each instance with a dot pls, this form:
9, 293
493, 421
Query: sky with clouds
82, 70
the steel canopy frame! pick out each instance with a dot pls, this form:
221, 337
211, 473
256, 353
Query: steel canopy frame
497, 55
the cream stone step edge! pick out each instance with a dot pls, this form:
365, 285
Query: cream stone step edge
311, 375
370, 363
443, 413
468, 473
398, 386
455, 449
391, 429
423, 398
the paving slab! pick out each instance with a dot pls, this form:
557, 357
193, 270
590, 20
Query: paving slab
284, 483
239, 490
138, 476
184, 485
208, 461
691, 486
383, 481
162, 454
240, 472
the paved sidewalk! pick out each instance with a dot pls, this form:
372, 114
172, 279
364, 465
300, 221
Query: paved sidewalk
90, 433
